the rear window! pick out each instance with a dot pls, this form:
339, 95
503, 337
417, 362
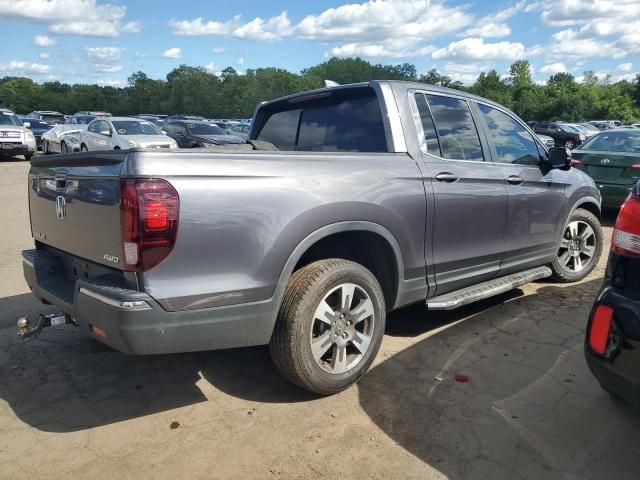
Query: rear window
53, 119
614, 142
339, 121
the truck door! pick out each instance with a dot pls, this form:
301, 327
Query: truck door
470, 197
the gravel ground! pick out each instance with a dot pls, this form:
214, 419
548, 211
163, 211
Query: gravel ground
70, 408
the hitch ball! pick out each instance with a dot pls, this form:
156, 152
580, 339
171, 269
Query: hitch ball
23, 325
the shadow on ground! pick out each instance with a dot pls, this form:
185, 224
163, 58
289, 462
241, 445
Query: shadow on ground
530, 409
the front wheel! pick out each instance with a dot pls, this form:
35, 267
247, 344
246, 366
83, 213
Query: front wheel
83, 148
330, 326
570, 144
580, 247
63, 147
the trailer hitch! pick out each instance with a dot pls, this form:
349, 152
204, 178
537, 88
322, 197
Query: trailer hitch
26, 331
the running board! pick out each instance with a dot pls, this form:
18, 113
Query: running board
488, 289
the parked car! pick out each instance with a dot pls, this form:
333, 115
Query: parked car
87, 113
547, 141
612, 158
603, 124
612, 344
80, 119
52, 118
563, 134
192, 118
38, 127
190, 134
636, 125
15, 136
157, 121
63, 139
587, 132
306, 238
240, 130
123, 133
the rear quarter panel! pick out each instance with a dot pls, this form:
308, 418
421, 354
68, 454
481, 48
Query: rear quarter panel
242, 215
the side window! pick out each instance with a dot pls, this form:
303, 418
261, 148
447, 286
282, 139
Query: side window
103, 126
456, 129
429, 142
281, 129
512, 141
93, 127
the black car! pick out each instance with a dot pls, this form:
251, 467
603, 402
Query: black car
38, 127
612, 345
564, 135
191, 134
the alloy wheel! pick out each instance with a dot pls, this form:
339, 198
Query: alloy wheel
569, 144
342, 328
577, 247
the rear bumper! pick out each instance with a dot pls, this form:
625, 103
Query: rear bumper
620, 373
130, 321
614, 195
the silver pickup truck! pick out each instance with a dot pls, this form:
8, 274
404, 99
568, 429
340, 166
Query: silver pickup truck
346, 203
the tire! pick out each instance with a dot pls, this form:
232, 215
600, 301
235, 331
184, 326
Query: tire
63, 147
318, 287
45, 147
570, 144
579, 249
27, 156
83, 148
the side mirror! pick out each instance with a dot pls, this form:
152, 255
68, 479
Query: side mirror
27, 124
559, 158
106, 133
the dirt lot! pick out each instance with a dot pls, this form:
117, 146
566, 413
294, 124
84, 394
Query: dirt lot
72, 409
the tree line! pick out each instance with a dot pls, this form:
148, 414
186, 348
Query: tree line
228, 94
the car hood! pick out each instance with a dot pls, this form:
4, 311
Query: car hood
12, 128
218, 139
144, 140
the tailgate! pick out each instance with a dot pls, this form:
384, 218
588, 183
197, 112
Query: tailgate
74, 202
612, 167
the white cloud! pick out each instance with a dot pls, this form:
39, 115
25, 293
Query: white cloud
240, 61
494, 25
72, 17
214, 68
131, 27
43, 41
172, 53
553, 68
106, 68
104, 54
45, 56
217, 50
358, 23
467, 73
24, 67
625, 67
476, 49
388, 49
572, 12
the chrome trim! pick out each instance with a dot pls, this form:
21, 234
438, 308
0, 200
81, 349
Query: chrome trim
128, 305
393, 113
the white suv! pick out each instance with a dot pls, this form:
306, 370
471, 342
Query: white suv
15, 137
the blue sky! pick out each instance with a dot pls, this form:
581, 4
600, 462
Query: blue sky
104, 41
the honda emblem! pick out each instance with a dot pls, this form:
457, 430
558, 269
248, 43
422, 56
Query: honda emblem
61, 207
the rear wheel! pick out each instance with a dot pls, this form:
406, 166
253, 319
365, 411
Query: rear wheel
580, 247
45, 147
83, 148
63, 147
330, 326
27, 156
570, 144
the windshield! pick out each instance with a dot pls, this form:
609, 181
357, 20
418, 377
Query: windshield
614, 142
135, 127
52, 119
7, 118
204, 129
36, 123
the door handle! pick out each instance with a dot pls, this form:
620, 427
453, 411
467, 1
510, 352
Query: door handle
514, 180
446, 177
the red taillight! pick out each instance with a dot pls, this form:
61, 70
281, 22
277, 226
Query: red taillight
626, 233
635, 165
600, 328
149, 215
575, 161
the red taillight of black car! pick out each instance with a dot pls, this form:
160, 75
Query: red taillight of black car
600, 328
626, 233
149, 214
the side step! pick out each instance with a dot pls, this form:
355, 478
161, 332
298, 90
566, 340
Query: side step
488, 289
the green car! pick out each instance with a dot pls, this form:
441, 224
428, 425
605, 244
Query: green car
612, 159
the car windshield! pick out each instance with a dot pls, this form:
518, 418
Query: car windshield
156, 121
135, 127
204, 129
614, 142
53, 119
7, 118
